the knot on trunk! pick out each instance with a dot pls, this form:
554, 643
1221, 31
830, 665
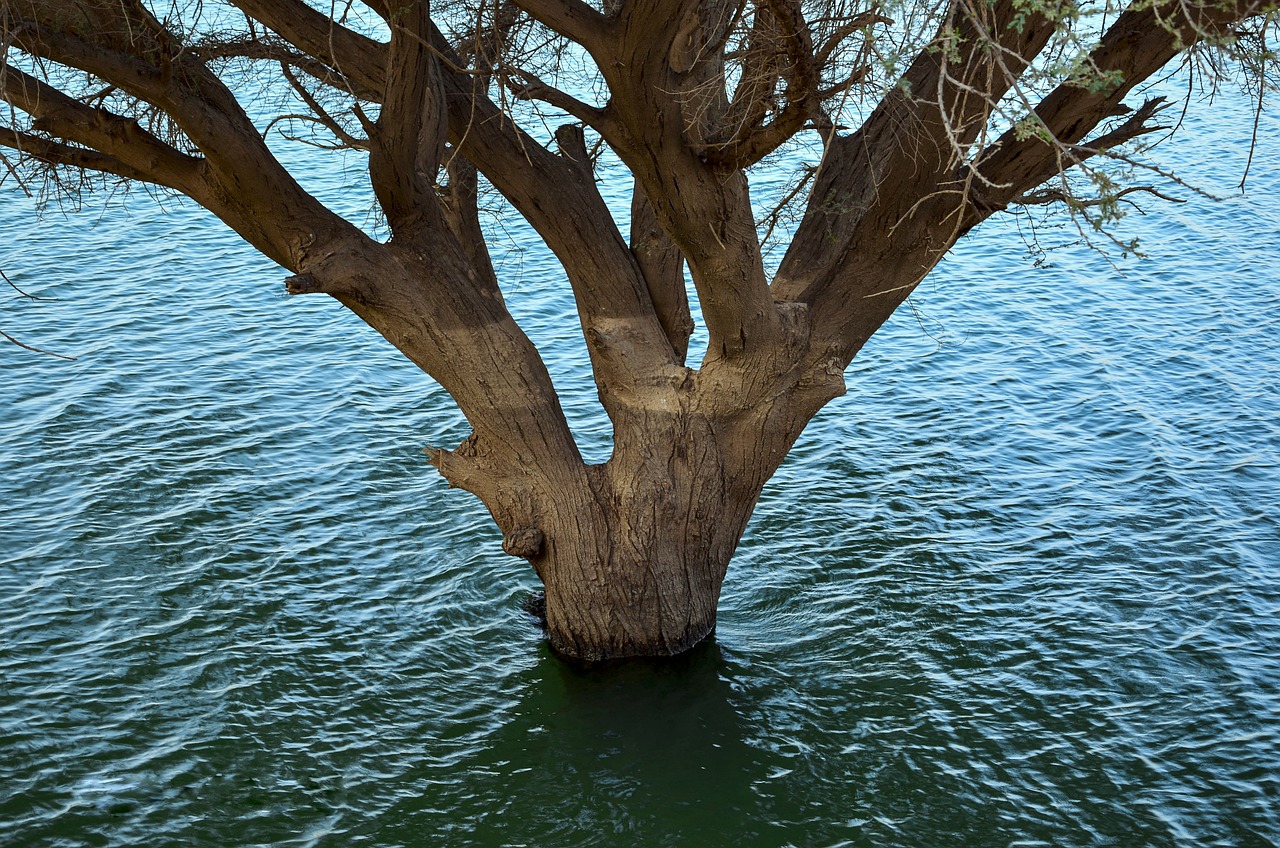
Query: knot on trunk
525, 542
303, 284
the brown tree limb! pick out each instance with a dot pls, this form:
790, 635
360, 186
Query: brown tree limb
858, 23
897, 194
605, 278
382, 8
460, 199
1136, 45
527, 86
662, 265
423, 298
116, 145
667, 83
759, 71
619, 320
65, 155
124, 70
404, 152
839, 87
572, 19
779, 48
878, 177
559, 197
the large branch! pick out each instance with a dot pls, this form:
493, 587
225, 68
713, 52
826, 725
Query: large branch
526, 86
867, 198
117, 145
405, 149
665, 74
461, 203
901, 191
663, 267
573, 19
57, 154
1137, 45
557, 194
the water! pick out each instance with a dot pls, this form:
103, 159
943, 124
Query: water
1020, 587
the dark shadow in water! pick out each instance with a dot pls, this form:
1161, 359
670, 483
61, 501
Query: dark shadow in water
651, 753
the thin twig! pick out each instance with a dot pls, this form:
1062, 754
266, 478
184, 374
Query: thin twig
36, 349
20, 291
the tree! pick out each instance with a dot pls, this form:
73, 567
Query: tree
927, 120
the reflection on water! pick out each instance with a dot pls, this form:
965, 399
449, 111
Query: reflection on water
652, 751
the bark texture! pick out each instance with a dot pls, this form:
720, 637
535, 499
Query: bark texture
632, 552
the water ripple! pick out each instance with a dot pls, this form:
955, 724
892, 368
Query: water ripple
1019, 587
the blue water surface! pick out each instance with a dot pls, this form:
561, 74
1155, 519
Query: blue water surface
1020, 587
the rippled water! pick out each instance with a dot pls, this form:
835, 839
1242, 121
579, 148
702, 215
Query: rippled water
1020, 587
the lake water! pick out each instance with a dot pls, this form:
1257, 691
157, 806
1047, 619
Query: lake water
1021, 587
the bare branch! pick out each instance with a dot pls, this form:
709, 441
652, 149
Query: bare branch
124, 70
781, 49
36, 349
270, 49
411, 129
1054, 195
858, 23
319, 114
572, 19
524, 171
14, 286
855, 76
239, 178
118, 145
357, 57
530, 87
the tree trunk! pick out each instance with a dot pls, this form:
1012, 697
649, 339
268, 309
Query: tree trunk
633, 561
636, 570
633, 552
637, 573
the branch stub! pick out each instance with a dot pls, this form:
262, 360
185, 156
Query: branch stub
524, 542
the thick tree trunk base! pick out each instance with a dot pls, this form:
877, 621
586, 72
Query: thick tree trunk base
535, 606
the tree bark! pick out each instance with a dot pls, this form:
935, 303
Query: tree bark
633, 564
634, 553
635, 568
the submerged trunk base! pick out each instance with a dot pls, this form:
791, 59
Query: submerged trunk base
572, 650
652, 624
